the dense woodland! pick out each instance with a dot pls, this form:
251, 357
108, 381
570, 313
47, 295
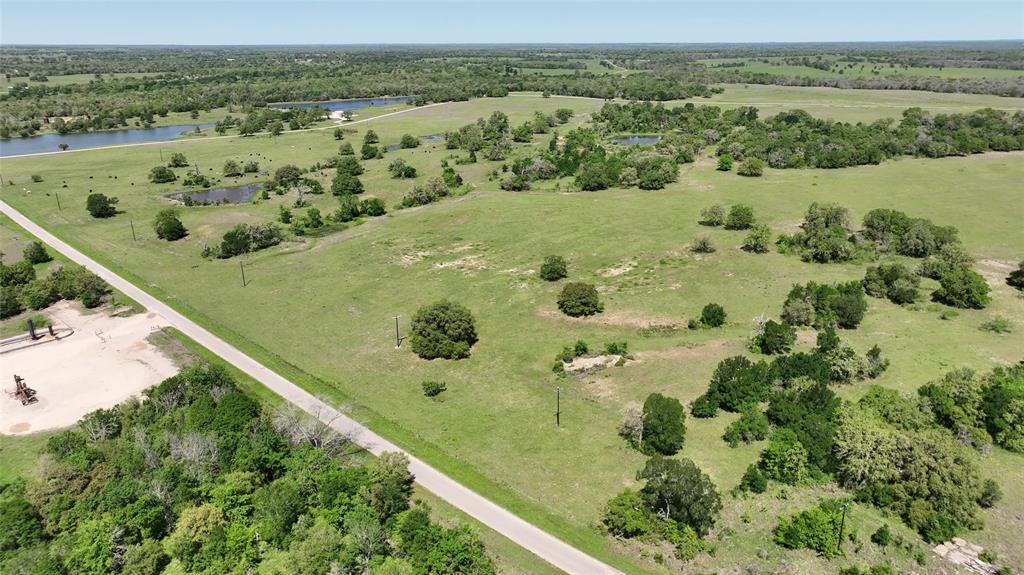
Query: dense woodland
203, 475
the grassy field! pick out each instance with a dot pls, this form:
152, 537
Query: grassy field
320, 310
6, 82
778, 66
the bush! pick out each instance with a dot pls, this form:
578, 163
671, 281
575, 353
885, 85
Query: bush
712, 216
882, 536
10, 302
738, 382
962, 288
664, 428
776, 338
554, 268
162, 175
373, 207
346, 183
409, 141
741, 217
704, 406
345, 149
178, 160
840, 305
997, 324
37, 178
713, 315
751, 426
232, 169
34, 253
100, 206
785, 458
893, 281
579, 299
433, 388
724, 163
751, 167
702, 245
401, 170
813, 529
754, 480
991, 494
443, 329
39, 294
168, 226
626, 515
370, 137
245, 238
680, 490
19, 273
758, 240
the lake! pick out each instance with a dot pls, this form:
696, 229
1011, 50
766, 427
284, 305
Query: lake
352, 104
636, 140
85, 140
222, 195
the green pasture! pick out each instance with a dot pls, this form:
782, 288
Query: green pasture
320, 310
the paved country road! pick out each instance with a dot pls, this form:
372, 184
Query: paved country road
545, 546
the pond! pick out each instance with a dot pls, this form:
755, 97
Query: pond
636, 140
85, 140
353, 104
222, 195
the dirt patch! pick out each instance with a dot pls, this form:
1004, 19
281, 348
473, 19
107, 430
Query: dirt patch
714, 348
471, 263
414, 257
807, 337
615, 318
103, 362
623, 268
995, 271
581, 365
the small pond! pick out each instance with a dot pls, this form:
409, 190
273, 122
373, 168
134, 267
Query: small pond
335, 105
222, 195
636, 140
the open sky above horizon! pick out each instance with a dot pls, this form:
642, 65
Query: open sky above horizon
277, 22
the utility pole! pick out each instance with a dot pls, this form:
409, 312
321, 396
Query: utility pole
132, 224
58, 201
558, 407
398, 338
241, 266
842, 524
161, 155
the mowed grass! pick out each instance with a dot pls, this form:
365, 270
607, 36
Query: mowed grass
322, 309
778, 66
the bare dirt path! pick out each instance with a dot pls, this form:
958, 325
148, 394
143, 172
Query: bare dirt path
542, 544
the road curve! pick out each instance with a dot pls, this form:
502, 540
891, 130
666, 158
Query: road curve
542, 544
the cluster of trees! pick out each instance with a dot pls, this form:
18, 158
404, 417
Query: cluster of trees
430, 192
825, 305
246, 238
23, 290
443, 330
203, 475
795, 139
678, 503
980, 410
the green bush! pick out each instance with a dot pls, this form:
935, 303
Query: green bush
882, 536
626, 515
893, 281
554, 268
373, 207
433, 388
751, 426
963, 288
10, 302
776, 338
664, 428
991, 494
34, 253
754, 480
816, 529
713, 315
785, 458
579, 299
758, 240
17, 274
702, 245
100, 206
168, 226
741, 217
346, 183
409, 141
751, 167
712, 216
724, 163
443, 330
704, 406
162, 175
678, 489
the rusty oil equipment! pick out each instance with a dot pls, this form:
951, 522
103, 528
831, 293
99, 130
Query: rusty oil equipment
24, 393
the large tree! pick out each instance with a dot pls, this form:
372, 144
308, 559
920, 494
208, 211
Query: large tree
679, 490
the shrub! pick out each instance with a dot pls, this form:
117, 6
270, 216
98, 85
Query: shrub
991, 494
724, 163
350, 166
10, 302
372, 207
704, 407
554, 268
345, 149
34, 253
882, 536
712, 216
232, 168
893, 281
776, 338
962, 288
370, 137
737, 382
433, 388
754, 480
741, 217
345, 183
100, 206
997, 324
409, 141
758, 240
178, 160
751, 166
626, 515
841, 304
664, 428
702, 245
168, 226
245, 238
401, 170
785, 458
713, 315
19, 273
579, 299
39, 294
443, 330
162, 175
370, 152
813, 529
37, 178
751, 426
681, 491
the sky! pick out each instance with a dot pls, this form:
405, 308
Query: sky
235, 22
